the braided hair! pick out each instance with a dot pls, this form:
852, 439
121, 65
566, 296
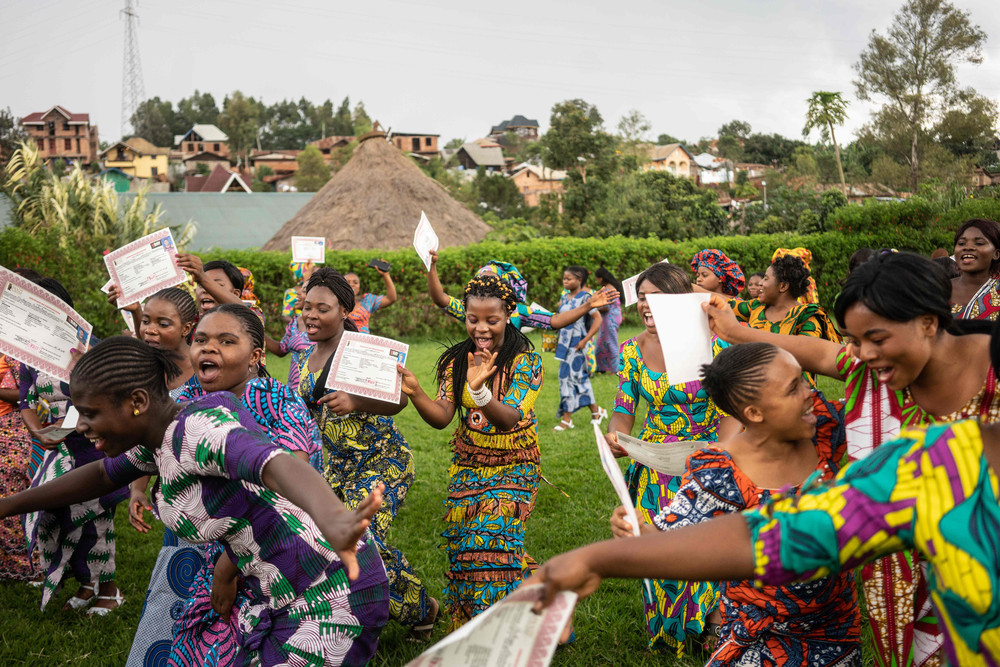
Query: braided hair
122, 364
609, 279
737, 375
580, 272
326, 277
792, 270
252, 326
187, 310
456, 357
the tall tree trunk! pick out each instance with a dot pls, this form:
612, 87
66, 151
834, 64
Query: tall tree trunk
840, 167
914, 162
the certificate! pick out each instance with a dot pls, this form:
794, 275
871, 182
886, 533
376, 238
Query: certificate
309, 249
508, 634
37, 328
124, 313
669, 458
425, 240
614, 473
365, 365
682, 327
628, 288
67, 426
144, 267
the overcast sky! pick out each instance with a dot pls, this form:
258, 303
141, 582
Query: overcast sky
455, 68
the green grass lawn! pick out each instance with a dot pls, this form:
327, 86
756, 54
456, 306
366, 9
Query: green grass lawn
609, 624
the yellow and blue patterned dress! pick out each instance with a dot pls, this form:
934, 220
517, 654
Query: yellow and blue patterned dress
493, 483
675, 412
932, 489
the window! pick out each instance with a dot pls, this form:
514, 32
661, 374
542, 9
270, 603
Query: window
215, 147
190, 147
201, 147
41, 144
52, 128
427, 141
76, 129
67, 144
66, 126
415, 144
154, 171
121, 155
52, 145
77, 145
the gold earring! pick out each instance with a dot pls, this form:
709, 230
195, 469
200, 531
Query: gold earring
135, 412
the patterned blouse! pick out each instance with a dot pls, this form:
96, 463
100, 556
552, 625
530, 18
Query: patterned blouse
524, 316
211, 463
984, 304
365, 306
932, 489
46, 395
801, 320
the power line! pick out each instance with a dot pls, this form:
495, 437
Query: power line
133, 91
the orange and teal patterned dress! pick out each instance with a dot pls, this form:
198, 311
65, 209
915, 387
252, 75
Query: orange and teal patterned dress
676, 412
931, 489
493, 483
801, 320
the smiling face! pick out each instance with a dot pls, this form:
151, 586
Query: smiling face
108, 421
201, 295
571, 281
707, 280
223, 355
974, 252
161, 325
770, 288
642, 305
485, 321
355, 282
753, 287
896, 351
785, 406
322, 314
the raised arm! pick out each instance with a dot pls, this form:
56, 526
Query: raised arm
85, 483
599, 299
434, 287
390, 287
193, 265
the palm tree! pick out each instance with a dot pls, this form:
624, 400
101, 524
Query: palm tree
827, 109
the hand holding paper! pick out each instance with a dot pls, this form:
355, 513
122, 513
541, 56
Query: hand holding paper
669, 458
682, 327
425, 240
309, 249
144, 267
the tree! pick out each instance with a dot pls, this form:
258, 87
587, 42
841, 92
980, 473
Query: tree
736, 128
633, 128
770, 149
576, 138
455, 143
313, 172
240, 121
827, 109
154, 121
912, 67
199, 108
665, 139
343, 122
259, 184
11, 134
969, 127
732, 139
497, 193
361, 121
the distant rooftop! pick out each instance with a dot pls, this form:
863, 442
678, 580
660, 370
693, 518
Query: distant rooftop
516, 121
206, 132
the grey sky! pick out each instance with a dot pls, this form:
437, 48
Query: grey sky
455, 68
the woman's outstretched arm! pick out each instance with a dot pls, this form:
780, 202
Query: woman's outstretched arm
85, 483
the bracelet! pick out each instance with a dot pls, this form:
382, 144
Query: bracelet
480, 397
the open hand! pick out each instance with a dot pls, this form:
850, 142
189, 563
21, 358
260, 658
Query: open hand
345, 529
721, 320
339, 403
409, 383
114, 295
603, 297
481, 367
192, 264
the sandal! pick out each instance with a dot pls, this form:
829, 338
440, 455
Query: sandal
563, 425
422, 633
601, 415
104, 611
77, 603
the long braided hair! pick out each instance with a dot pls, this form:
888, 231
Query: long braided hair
187, 310
456, 357
737, 376
252, 326
121, 364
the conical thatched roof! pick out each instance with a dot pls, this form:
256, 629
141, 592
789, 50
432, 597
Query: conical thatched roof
375, 201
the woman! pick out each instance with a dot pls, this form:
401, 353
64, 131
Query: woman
715, 272
575, 390
789, 433
908, 364
168, 318
366, 304
16, 562
753, 285
607, 339
364, 447
226, 350
811, 294
675, 412
294, 341
491, 379
977, 253
299, 549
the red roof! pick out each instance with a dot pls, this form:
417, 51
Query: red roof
214, 182
36, 117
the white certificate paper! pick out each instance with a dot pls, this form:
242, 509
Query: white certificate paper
682, 327
365, 365
144, 267
37, 328
67, 426
614, 473
425, 240
309, 249
628, 287
669, 458
508, 634
124, 313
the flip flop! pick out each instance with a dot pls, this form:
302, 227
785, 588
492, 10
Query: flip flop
422, 633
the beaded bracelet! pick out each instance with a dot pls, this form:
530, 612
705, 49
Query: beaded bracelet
480, 397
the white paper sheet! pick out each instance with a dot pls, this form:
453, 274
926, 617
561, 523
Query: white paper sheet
67, 426
365, 365
144, 267
682, 327
628, 287
425, 240
37, 328
508, 634
309, 248
669, 458
124, 313
614, 473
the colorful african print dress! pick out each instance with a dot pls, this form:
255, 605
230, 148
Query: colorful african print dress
364, 307
364, 449
523, 315
608, 349
294, 342
814, 624
801, 320
896, 594
933, 490
15, 465
984, 304
575, 390
302, 609
675, 412
493, 483
79, 539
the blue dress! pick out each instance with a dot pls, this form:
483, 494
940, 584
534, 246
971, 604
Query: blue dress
575, 391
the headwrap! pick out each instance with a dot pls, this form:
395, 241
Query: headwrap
296, 269
812, 294
727, 271
509, 274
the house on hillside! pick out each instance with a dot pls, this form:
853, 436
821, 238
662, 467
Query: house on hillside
673, 159
753, 170
210, 160
519, 125
137, 158
283, 163
424, 145
488, 155
202, 138
328, 145
533, 182
60, 134
220, 180
984, 178
713, 170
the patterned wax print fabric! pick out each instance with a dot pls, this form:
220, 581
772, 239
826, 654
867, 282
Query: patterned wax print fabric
523, 316
812, 294
78, 540
801, 320
212, 457
493, 482
364, 449
294, 342
675, 412
896, 594
575, 390
931, 489
364, 306
510, 275
15, 465
794, 625
290, 303
984, 304
725, 269
608, 349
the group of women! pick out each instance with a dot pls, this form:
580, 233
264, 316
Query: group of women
277, 496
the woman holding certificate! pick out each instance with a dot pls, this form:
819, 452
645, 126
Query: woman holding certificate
491, 379
364, 447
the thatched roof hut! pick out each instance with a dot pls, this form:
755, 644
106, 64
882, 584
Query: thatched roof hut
375, 202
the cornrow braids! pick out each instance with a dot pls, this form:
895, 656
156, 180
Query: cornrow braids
737, 375
187, 310
580, 272
326, 277
252, 326
121, 364
456, 357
